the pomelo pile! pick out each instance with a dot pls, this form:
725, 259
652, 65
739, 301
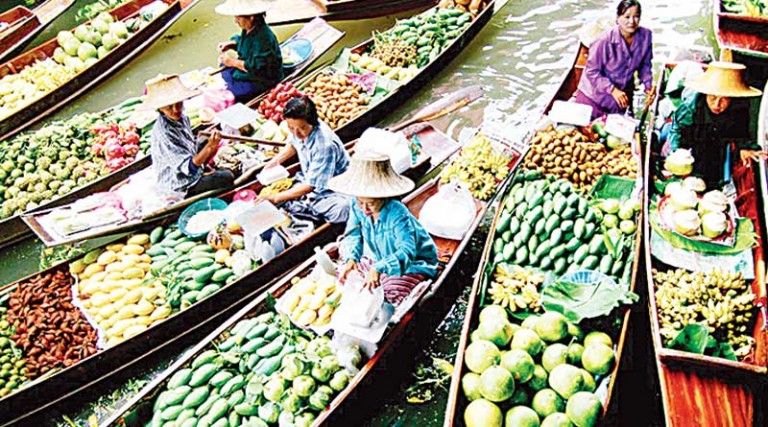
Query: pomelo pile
89, 43
539, 373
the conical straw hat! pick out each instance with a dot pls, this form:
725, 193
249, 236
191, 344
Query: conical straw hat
241, 7
165, 90
371, 175
723, 79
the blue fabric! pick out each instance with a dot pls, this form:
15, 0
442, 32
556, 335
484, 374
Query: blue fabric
173, 146
397, 242
322, 156
243, 90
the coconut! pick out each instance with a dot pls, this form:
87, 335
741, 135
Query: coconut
713, 224
683, 199
687, 222
672, 187
680, 162
713, 201
694, 183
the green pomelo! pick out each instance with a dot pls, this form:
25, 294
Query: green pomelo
530, 322
482, 413
519, 363
583, 409
575, 350
597, 336
493, 312
480, 355
589, 382
497, 331
521, 416
575, 331
539, 379
598, 358
558, 419
497, 384
547, 402
470, 384
566, 380
554, 354
528, 341
552, 326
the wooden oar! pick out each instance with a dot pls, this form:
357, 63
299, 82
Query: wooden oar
442, 107
246, 139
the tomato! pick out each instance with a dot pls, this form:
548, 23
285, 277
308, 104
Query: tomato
283, 97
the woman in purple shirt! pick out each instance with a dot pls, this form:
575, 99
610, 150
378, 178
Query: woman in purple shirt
614, 57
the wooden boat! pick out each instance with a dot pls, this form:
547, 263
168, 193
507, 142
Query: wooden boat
89, 77
740, 33
456, 400
351, 129
699, 389
323, 37
134, 412
294, 11
26, 402
24, 25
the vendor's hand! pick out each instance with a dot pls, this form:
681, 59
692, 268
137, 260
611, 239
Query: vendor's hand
271, 198
228, 61
650, 95
348, 268
371, 281
214, 139
273, 162
755, 155
620, 97
223, 46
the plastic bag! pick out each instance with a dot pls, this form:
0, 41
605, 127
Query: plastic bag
265, 246
449, 213
393, 145
359, 306
241, 263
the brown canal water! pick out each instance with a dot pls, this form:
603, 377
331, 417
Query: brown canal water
519, 59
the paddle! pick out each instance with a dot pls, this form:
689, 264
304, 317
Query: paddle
442, 107
246, 139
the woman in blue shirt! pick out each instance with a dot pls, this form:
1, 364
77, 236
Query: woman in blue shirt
258, 65
384, 241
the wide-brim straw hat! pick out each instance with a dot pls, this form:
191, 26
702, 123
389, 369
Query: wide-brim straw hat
371, 175
723, 79
242, 7
165, 90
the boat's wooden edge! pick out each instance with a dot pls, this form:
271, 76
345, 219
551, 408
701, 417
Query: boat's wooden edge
363, 12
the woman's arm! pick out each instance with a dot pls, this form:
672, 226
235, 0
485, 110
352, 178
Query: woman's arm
282, 156
208, 151
353, 240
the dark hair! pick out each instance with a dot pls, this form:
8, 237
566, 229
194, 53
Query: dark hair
626, 4
301, 107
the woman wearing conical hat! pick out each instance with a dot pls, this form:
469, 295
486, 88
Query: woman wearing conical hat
384, 241
715, 115
178, 163
258, 63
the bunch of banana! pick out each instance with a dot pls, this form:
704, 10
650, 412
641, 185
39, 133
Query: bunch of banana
721, 300
516, 288
312, 299
479, 166
277, 187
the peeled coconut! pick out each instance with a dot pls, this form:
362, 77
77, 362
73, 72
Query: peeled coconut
672, 187
480, 355
482, 413
713, 201
713, 224
680, 162
551, 326
683, 199
694, 183
687, 222
583, 409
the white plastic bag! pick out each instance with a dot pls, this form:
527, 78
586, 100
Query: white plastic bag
393, 145
359, 306
449, 213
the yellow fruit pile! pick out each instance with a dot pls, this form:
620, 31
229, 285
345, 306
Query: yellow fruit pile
480, 166
277, 187
516, 288
312, 299
114, 293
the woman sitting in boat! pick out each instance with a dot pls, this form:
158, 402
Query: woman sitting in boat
321, 156
711, 118
175, 157
384, 241
258, 63
607, 82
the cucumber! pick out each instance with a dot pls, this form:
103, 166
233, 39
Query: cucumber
525, 231
556, 237
559, 205
254, 345
184, 416
218, 409
565, 187
229, 343
206, 405
545, 263
521, 210
190, 422
582, 209
589, 231
246, 409
184, 246
222, 274
551, 224
573, 244
590, 216
190, 297
221, 422
220, 378
272, 332
235, 383
533, 215
557, 252
236, 398
272, 348
498, 245
196, 397
517, 241
271, 365
233, 419
253, 359
191, 285
573, 201
606, 264
569, 213
173, 234
199, 263
579, 228
547, 208
503, 222
560, 265
180, 378
202, 374
533, 244
514, 225
539, 227
256, 331
155, 250
202, 248
618, 265
590, 262
544, 247
506, 236
596, 244
205, 357
566, 226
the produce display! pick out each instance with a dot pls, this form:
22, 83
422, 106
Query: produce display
480, 166
472, 6
39, 166
262, 372
338, 98
92, 10
548, 225
51, 332
571, 155
516, 288
12, 369
542, 372
76, 51
688, 212
312, 299
719, 303
117, 144
272, 106
116, 292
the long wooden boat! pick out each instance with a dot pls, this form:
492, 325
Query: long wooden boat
26, 402
322, 35
700, 389
456, 401
295, 11
135, 411
88, 77
24, 25
738, 33
356, 125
